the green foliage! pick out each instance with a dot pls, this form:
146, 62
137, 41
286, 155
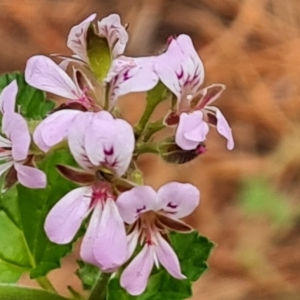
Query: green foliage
98, 53
88, 274
193, 251
13, 292
24, 245
258, 197
31, 102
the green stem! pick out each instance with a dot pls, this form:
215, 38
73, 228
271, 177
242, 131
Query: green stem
147, 148
45, 283
154, 97
153, 128
99, 291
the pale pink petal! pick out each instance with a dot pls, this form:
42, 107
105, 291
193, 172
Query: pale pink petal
5, 166
168, 67
8, 97
5, 143
43, 73
87, 245
110, 246
16, 129
54, 129
77, 134
180, 67
76, 137
132, 240
222, 126
137, 76
77, 37
114, 141
114, 31
178, 199
65, 218
167, 257
191, 130
134, 279
135, 202
31, 177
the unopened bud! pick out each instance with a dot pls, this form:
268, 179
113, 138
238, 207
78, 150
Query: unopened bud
172, 153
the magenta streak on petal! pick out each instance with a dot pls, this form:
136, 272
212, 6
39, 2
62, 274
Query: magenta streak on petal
187, 82
196, 82
172, 205
138, 210
114, 80
109, 152
80, 33
180, 75
126, 75
100, 194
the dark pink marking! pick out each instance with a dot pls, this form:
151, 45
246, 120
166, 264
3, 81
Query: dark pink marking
138, 210
180, 75
173, 206
109, 152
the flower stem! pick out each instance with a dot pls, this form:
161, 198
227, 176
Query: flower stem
154, 97
45, 283
99, 291
147, 148
153, 128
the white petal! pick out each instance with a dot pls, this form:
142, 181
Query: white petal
134, 279
135, 202
43, 73
77, 37
168, 258
178, 199
110, 246
65, 218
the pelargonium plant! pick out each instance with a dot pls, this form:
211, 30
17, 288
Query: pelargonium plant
70, 168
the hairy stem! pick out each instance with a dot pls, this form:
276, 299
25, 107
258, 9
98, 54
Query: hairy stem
99, 291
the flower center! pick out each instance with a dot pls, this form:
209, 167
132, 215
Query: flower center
101, 192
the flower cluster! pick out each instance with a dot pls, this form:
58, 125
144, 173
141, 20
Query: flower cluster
126, 221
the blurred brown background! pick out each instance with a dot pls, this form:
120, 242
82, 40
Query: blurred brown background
250, 197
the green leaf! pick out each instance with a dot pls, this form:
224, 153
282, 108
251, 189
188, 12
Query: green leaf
98, 53
13, 292
88, 274
31, 102
24, 245
193, 251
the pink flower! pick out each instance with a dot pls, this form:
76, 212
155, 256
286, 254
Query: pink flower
182, 71
109, 27
126, 74
43, 73
54, 129
151, 214
129, 75
191, 130
97, 141
15, 147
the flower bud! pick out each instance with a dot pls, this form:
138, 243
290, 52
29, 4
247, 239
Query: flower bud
172, 153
